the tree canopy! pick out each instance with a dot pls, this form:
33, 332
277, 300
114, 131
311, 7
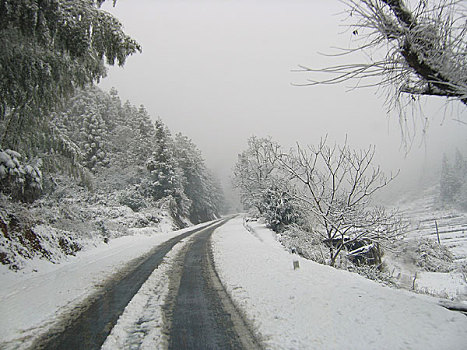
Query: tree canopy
49, 48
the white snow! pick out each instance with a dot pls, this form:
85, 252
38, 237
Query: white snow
141, 324
319, 307
31, 301
424, 213
447, 285
312, 307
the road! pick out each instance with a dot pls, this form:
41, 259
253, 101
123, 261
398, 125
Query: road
203, 316
199, 313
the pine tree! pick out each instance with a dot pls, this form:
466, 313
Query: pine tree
94, 132
200, 187
49, 48
453, 180
446, 184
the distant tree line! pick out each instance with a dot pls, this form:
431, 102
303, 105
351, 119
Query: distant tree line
109, 146
453, 182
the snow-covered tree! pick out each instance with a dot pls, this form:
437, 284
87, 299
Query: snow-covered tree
165, 176
20, 181
336, 185
200, 186
453, 182
83, 120
264, 185
279, 208
49, 48
94, 132
255, 171
416, 48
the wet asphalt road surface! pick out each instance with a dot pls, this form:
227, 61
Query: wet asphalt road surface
199, 320
89, 329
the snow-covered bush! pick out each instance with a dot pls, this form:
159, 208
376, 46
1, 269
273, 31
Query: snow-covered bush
21, 181
278, 208
304, 243
428, 255
372, 272
433, 257
132, 198
25, 236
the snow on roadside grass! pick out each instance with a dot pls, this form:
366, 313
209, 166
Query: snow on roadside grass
31, 302
447, 285
320, 307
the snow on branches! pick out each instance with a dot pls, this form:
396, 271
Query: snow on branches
324, 189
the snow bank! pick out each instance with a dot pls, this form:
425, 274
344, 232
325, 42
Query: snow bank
30, 302
320, 307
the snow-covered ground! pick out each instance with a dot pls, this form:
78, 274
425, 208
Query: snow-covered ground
314, 306
32, 299
319, 307
423, 214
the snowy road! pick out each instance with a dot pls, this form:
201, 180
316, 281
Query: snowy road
90, 329
202, 315
45, 297
183, 296
170, 298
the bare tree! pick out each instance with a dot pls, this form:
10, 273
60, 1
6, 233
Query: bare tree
336, 186
424, 46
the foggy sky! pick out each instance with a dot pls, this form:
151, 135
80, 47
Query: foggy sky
222, 71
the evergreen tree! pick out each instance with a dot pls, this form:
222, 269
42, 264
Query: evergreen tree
446, 183
94, 132
49, 48
453, 183
165, 176
200, 187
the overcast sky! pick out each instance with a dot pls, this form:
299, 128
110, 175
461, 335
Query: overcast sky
221, 71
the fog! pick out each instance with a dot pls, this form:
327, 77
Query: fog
222, 71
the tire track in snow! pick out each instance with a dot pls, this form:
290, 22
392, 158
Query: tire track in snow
90, 323
199, 312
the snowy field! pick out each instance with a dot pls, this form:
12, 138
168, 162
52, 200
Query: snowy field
423, 215
452, 224
32, 299
319, 307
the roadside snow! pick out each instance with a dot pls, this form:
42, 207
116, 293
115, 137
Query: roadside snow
30, 302
320, 307
448, 285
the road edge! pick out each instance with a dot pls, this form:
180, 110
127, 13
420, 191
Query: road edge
249, 336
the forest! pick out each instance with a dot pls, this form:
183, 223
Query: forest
76, 164
101, 155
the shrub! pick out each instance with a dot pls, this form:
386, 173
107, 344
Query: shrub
20, 181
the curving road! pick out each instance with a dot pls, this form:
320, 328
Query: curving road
92, 322
199, 314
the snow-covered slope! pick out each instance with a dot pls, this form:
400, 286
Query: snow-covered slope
424, 213
415, 264
319, 307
